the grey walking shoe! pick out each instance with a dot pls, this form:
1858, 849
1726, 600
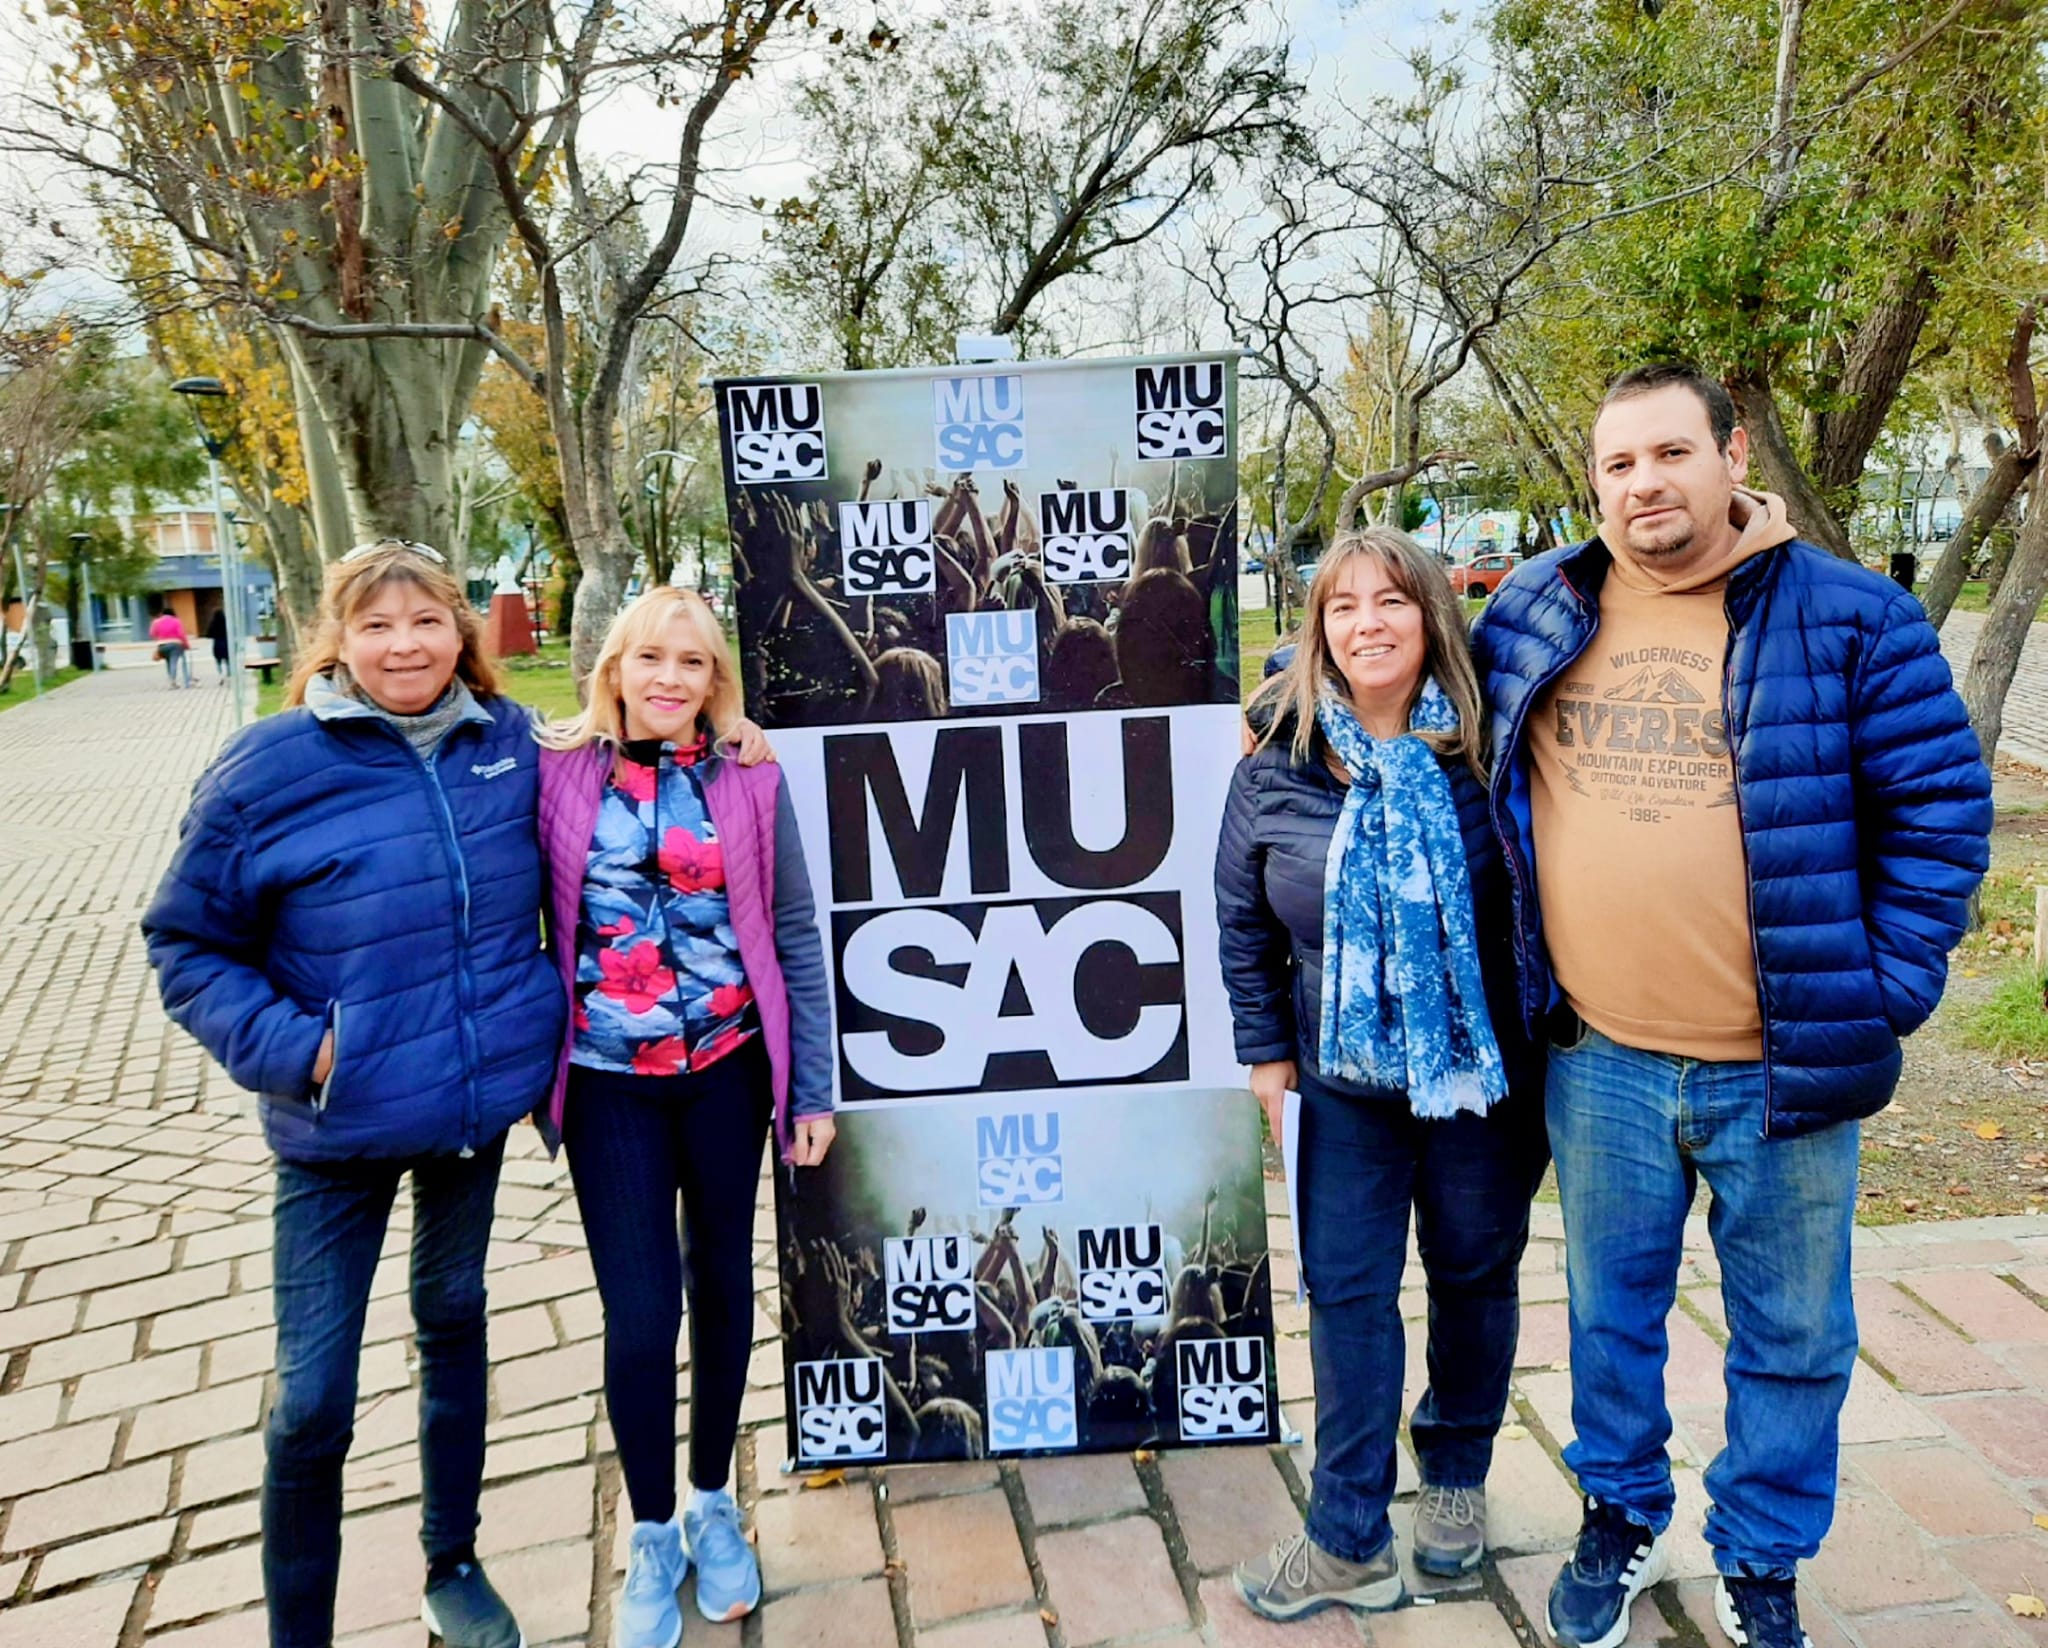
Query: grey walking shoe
464, 1610
1450, 1529
1298, 1577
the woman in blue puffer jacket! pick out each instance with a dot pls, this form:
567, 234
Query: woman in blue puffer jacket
351, 927
1364, 934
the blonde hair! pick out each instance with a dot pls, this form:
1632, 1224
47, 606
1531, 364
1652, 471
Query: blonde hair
603, 717
351, 585
1292, 695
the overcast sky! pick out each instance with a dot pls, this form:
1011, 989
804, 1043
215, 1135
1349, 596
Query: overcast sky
1353, 47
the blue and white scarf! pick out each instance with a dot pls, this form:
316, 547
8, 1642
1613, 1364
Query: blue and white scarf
1403, 1003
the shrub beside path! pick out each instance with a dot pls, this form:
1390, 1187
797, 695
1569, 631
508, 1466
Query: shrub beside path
135, 1365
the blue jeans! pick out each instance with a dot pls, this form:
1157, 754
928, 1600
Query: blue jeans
329, 1229
1364, 1162
1632, 1133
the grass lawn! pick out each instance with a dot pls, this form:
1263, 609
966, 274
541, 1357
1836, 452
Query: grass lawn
542, 681
22, 690
1255, 639
1972, 598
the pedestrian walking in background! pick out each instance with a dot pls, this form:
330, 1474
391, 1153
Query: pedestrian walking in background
173, 647
1364, 916
217, 634
686, 947
1744, 811
350, 926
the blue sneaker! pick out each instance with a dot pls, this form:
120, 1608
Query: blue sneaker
655, 1567
1615, 1562
1759, 1613
728, 1577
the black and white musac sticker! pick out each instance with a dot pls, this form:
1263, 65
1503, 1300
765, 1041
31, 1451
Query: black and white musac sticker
1222, 1386
1121, 1270
840, 1409
885, 547
1181, 412
1086, 537
777, 431
929, 1282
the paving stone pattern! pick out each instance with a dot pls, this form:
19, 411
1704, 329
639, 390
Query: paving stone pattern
135, 1365
2025, 735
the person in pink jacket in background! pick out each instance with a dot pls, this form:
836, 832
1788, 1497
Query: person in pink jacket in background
173, 646
680, 917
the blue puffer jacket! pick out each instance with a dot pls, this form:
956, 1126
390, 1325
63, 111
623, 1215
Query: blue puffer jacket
327, 876
1865, 807
1270, 859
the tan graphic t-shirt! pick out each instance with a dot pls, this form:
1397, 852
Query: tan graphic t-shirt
1640, 868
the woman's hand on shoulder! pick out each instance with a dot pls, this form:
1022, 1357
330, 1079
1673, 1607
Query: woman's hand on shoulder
814, 1135
750, 743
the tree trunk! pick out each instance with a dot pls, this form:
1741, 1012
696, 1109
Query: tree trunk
381, 402
1877, 363
1771, 456
1986, 510
295, 563
2005, 632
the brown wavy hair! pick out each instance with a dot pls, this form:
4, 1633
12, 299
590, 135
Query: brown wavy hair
350, 586
1291, 696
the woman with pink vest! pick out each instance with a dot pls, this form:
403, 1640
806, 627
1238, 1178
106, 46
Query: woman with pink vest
680, 918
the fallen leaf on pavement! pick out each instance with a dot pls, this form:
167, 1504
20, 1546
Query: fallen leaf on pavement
2041, 1519
824, 1479
2027, 1606
1513, 1433
1988, 1131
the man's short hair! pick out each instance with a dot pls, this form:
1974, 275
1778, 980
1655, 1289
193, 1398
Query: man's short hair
1644, 380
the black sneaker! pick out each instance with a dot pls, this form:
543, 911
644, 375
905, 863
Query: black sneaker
1615, 1562
1760, 1613
464, 1611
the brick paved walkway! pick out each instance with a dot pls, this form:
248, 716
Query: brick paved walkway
2025, 737
135, 1352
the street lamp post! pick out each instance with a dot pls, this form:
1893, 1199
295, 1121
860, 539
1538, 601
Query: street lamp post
208, 392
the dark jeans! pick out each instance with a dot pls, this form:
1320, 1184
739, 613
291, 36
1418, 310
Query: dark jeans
635, 1143
1363, 1163
329, 1229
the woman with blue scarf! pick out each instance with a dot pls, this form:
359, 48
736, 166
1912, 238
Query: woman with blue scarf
1367, 949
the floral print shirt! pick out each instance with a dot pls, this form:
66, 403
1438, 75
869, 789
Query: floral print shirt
659, 987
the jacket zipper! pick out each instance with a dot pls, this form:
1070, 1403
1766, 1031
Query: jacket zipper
452, 843
1756, 959
1494, 807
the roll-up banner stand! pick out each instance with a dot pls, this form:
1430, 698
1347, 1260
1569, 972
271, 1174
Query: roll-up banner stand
989, 615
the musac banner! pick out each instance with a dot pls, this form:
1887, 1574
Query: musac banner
991, 615
1029, 1274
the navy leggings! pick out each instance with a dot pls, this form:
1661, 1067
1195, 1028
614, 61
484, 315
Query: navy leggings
635, 1144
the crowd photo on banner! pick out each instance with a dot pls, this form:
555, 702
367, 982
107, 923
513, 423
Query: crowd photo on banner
971, 887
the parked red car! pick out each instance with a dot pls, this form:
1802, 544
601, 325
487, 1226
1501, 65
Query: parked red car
1482, 575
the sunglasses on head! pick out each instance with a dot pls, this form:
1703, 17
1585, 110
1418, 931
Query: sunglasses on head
428, 550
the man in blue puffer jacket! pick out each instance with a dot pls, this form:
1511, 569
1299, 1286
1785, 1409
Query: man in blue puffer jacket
1742, 811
